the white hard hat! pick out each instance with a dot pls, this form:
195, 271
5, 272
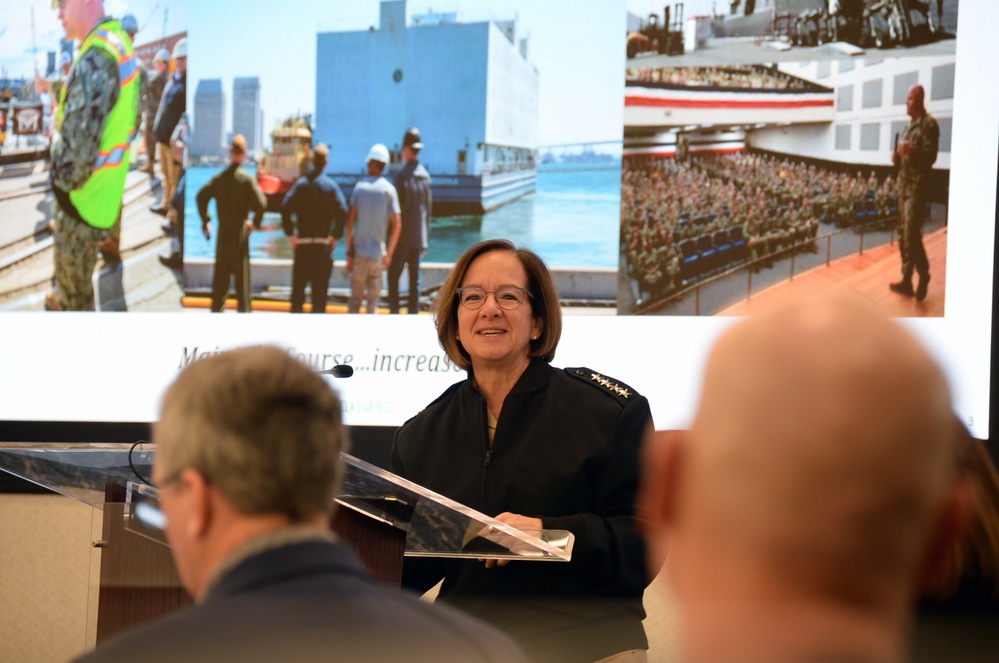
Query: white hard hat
66, 58
162, 55
180, 49
378, 152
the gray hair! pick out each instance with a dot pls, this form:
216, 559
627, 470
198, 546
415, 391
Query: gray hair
261, 427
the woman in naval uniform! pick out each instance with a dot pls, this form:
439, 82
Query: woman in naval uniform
536, 447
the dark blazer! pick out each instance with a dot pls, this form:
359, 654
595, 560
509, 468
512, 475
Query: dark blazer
173, 103
309, 601
412, 183
318, 205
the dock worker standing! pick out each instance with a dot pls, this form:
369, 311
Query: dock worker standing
173, 104
317, 204
412, 184
374, 209
237, 195
151, 104
94, 126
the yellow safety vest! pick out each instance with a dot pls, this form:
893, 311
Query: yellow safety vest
98, 201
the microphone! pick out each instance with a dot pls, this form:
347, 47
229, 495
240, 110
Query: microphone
338, 371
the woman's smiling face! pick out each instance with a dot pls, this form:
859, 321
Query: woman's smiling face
493, 336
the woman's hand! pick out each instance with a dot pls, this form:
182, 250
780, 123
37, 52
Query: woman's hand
531, 526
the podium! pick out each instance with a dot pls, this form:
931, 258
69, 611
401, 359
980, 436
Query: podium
381, 515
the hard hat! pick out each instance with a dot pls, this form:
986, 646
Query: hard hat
180, 49
378, 152
65, 58
413, 139
162, 55
129, 23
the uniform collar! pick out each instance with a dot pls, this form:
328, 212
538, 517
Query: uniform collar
536, 376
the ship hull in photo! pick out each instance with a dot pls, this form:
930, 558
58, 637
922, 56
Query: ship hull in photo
455, 195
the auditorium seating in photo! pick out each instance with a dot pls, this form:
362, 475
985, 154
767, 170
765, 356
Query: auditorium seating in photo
821, 212
712, 252
865, 211
691, 266
804, 238
870, 208
723, 246
857, 217
708, 253
740, 247
794, 238
709, 198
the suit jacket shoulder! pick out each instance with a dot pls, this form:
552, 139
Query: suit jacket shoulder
310, 602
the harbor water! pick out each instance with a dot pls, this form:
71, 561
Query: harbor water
571, 220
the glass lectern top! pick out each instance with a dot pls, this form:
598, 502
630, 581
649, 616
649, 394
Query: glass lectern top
435, 525
439, 527
79, 471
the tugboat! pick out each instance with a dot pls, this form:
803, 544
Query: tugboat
286, 162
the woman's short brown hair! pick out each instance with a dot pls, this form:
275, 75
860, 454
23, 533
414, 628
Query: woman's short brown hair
544, 302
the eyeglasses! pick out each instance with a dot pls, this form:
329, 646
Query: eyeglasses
507, 298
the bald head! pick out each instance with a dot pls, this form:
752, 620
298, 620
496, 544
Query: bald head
79, 17
819, 453
915, 102
320, 156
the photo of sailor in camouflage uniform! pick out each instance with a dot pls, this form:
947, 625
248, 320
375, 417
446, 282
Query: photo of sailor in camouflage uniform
75, 179
94, 125
915, 156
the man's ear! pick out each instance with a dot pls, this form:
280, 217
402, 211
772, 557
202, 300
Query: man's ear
662, 466
195, 493
941, 568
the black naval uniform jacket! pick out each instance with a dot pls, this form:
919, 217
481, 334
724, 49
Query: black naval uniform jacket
566, 449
